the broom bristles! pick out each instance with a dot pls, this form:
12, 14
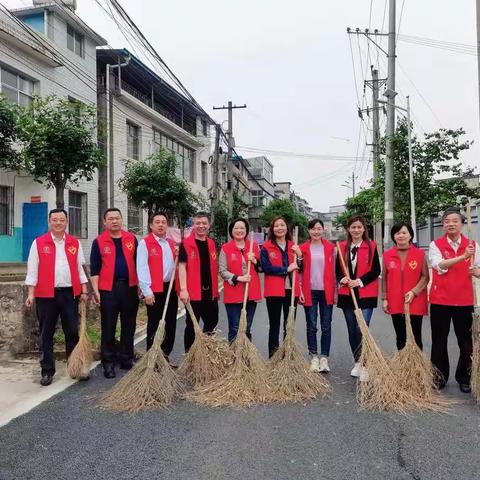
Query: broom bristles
81, 358
291, 377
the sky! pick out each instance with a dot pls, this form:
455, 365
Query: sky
291, 63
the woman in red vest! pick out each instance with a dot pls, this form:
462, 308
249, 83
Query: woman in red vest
277, 261
404, 281
233, 262
318, 289
361, 257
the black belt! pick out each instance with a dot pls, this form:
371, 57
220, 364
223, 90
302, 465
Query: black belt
61, 289
121, 280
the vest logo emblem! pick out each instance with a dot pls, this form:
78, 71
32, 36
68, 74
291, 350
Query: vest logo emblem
153, 251
129, 245
413, 264
107, 251
234, 256
446, 254
214, 255
393, 264
272, 255
72, 250
192, 254
46, 249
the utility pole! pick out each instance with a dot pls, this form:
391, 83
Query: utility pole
478, 43
230, 109
375, 84
216, 171
352, 186
390, 94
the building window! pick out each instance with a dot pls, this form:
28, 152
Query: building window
133, 143
6, 210
75, 41
77, 214
257, 198
16, 88
135, 219
204, 175
204, 128
193, 166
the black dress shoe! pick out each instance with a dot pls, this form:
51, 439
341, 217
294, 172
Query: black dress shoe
84, 378
126, 365
465, 387
46, 379
109, 372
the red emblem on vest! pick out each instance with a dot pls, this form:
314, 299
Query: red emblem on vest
46, 249
192, 254
272, 255
446, 254
214, 255
393, 264
72, 250
129, 245
107, 250
153, 251
413, 264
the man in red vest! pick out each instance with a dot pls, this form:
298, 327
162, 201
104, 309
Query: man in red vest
155, 267
198, 275
56, 280
114, 281
451, 296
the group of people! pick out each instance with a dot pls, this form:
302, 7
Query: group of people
123, 270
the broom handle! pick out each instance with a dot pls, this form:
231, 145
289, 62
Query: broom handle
294, 273
346, 274
249, 267
196, 326
169, 291
83, 317
472, 258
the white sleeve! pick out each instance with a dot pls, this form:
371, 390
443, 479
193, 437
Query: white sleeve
435, 257
476, 261
81, 263
32, 266
143, 272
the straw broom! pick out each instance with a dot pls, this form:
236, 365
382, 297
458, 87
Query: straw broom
415, 373
291, 377
381, 391
246, 383
207, 359
81, 358
475, 373
151, 383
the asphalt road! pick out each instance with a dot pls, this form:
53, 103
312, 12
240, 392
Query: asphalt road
68, 438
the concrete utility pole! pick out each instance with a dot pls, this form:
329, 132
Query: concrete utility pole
216, 171
390, 94
352, 186
230, 109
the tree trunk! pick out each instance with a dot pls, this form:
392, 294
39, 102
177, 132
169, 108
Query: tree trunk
60, 194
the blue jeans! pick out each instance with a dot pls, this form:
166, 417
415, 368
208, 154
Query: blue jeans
354, 335
233, 313
319, 303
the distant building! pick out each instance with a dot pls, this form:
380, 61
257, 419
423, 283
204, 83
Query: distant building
283, 190
262, 189
332, 232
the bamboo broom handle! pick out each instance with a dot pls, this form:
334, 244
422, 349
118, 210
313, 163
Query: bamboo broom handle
249, 267
169, 291
472, 258
346, 274
196, 326
294, 274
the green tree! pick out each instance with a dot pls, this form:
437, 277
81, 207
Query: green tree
153, 185
56, 143
439, 177
8, 131
286, 209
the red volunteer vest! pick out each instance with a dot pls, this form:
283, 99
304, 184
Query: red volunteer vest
454, 287
363, 267
46, 265
234, 294
194, 286
107, 251
155, 262
328, 272
274, 285
400, 281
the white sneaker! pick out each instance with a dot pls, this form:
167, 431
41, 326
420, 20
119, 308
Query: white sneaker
364, 377
324, 367
356, 370
315, 364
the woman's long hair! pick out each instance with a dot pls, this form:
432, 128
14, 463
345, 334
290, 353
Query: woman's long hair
365, 237
271, 235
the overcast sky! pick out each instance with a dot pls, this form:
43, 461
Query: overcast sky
291, 64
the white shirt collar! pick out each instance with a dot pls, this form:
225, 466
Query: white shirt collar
159, 239
55, 239
352, 245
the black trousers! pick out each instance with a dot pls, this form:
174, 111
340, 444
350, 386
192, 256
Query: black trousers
65, 305
401, 329
275, 305
154, 314
123, 301
206, 310
440, 317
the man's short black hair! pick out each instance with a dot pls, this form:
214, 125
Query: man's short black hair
202, 215
453, 211
157, 214
57, 210
112, 209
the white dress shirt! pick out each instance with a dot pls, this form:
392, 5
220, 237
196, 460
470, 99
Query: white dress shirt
62, 270
143, 271
435, 256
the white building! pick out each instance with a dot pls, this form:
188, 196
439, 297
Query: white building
45, 49
141, 112
262, 189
